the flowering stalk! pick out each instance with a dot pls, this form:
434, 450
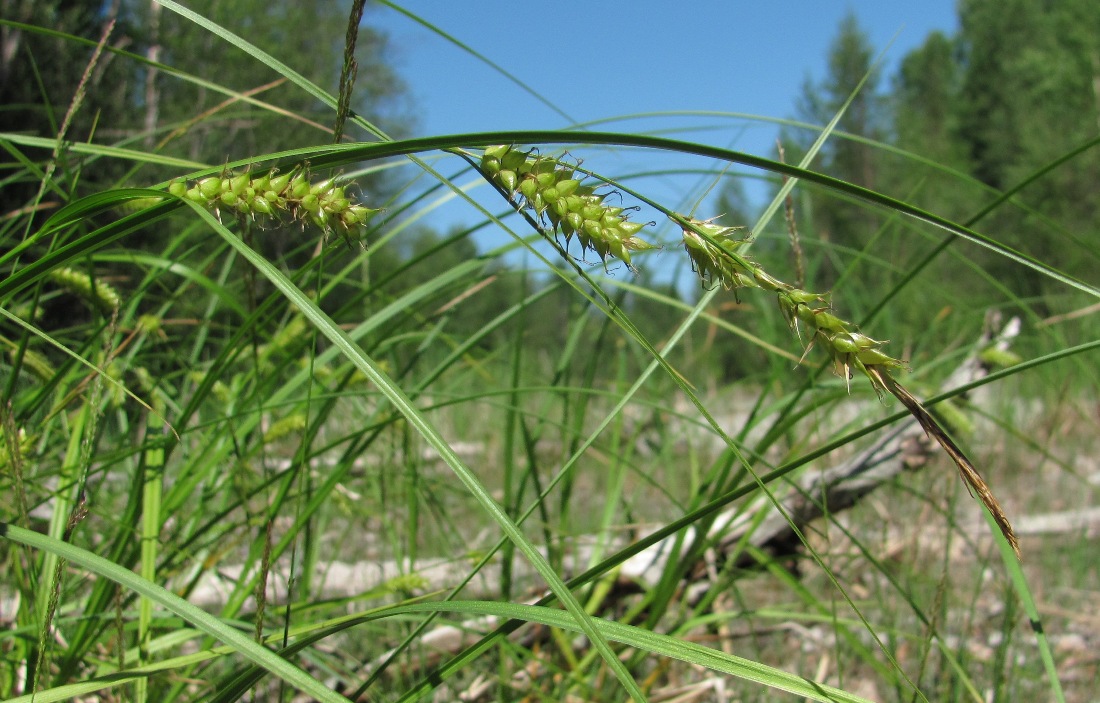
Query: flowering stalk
323, 203
713, 250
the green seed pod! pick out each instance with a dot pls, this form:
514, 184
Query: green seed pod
567, 186
575, 220
600, 247
636, 244
290, 425
238, 184
279, 183
765, 281
261, 183
512, 160
178, 187
311, 203
801, 296
610, 221
528, 187
954, 416
319, 218
592, 212
263, 206
228, 198
39, 367
825, 320
863, 341
298, 187
349, 219
196, 195
693, 242
995, 356
358, 214
490, 165
631, 228
843, 343
616, 249
546, 179
806, 314
101, 295
874, 357
322, 187
508, 180
592, 229
566, 228
336, 206
551, 195
538, 203
497, 151
537, 166
559, 208
210, 187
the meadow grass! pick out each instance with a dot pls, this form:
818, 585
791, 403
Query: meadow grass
229, 413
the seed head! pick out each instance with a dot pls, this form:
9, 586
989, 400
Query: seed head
549, 189
324, 203
100, 295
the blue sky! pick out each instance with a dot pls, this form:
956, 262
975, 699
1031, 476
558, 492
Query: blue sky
599, 60
603, 59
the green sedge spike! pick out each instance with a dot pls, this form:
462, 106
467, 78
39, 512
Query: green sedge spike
324, 203
557, 198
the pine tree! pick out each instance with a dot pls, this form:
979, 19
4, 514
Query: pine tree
1031, 93
850, 64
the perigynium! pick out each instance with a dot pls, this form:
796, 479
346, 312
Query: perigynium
549, 189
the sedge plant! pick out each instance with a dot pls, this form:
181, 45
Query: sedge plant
289, 397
